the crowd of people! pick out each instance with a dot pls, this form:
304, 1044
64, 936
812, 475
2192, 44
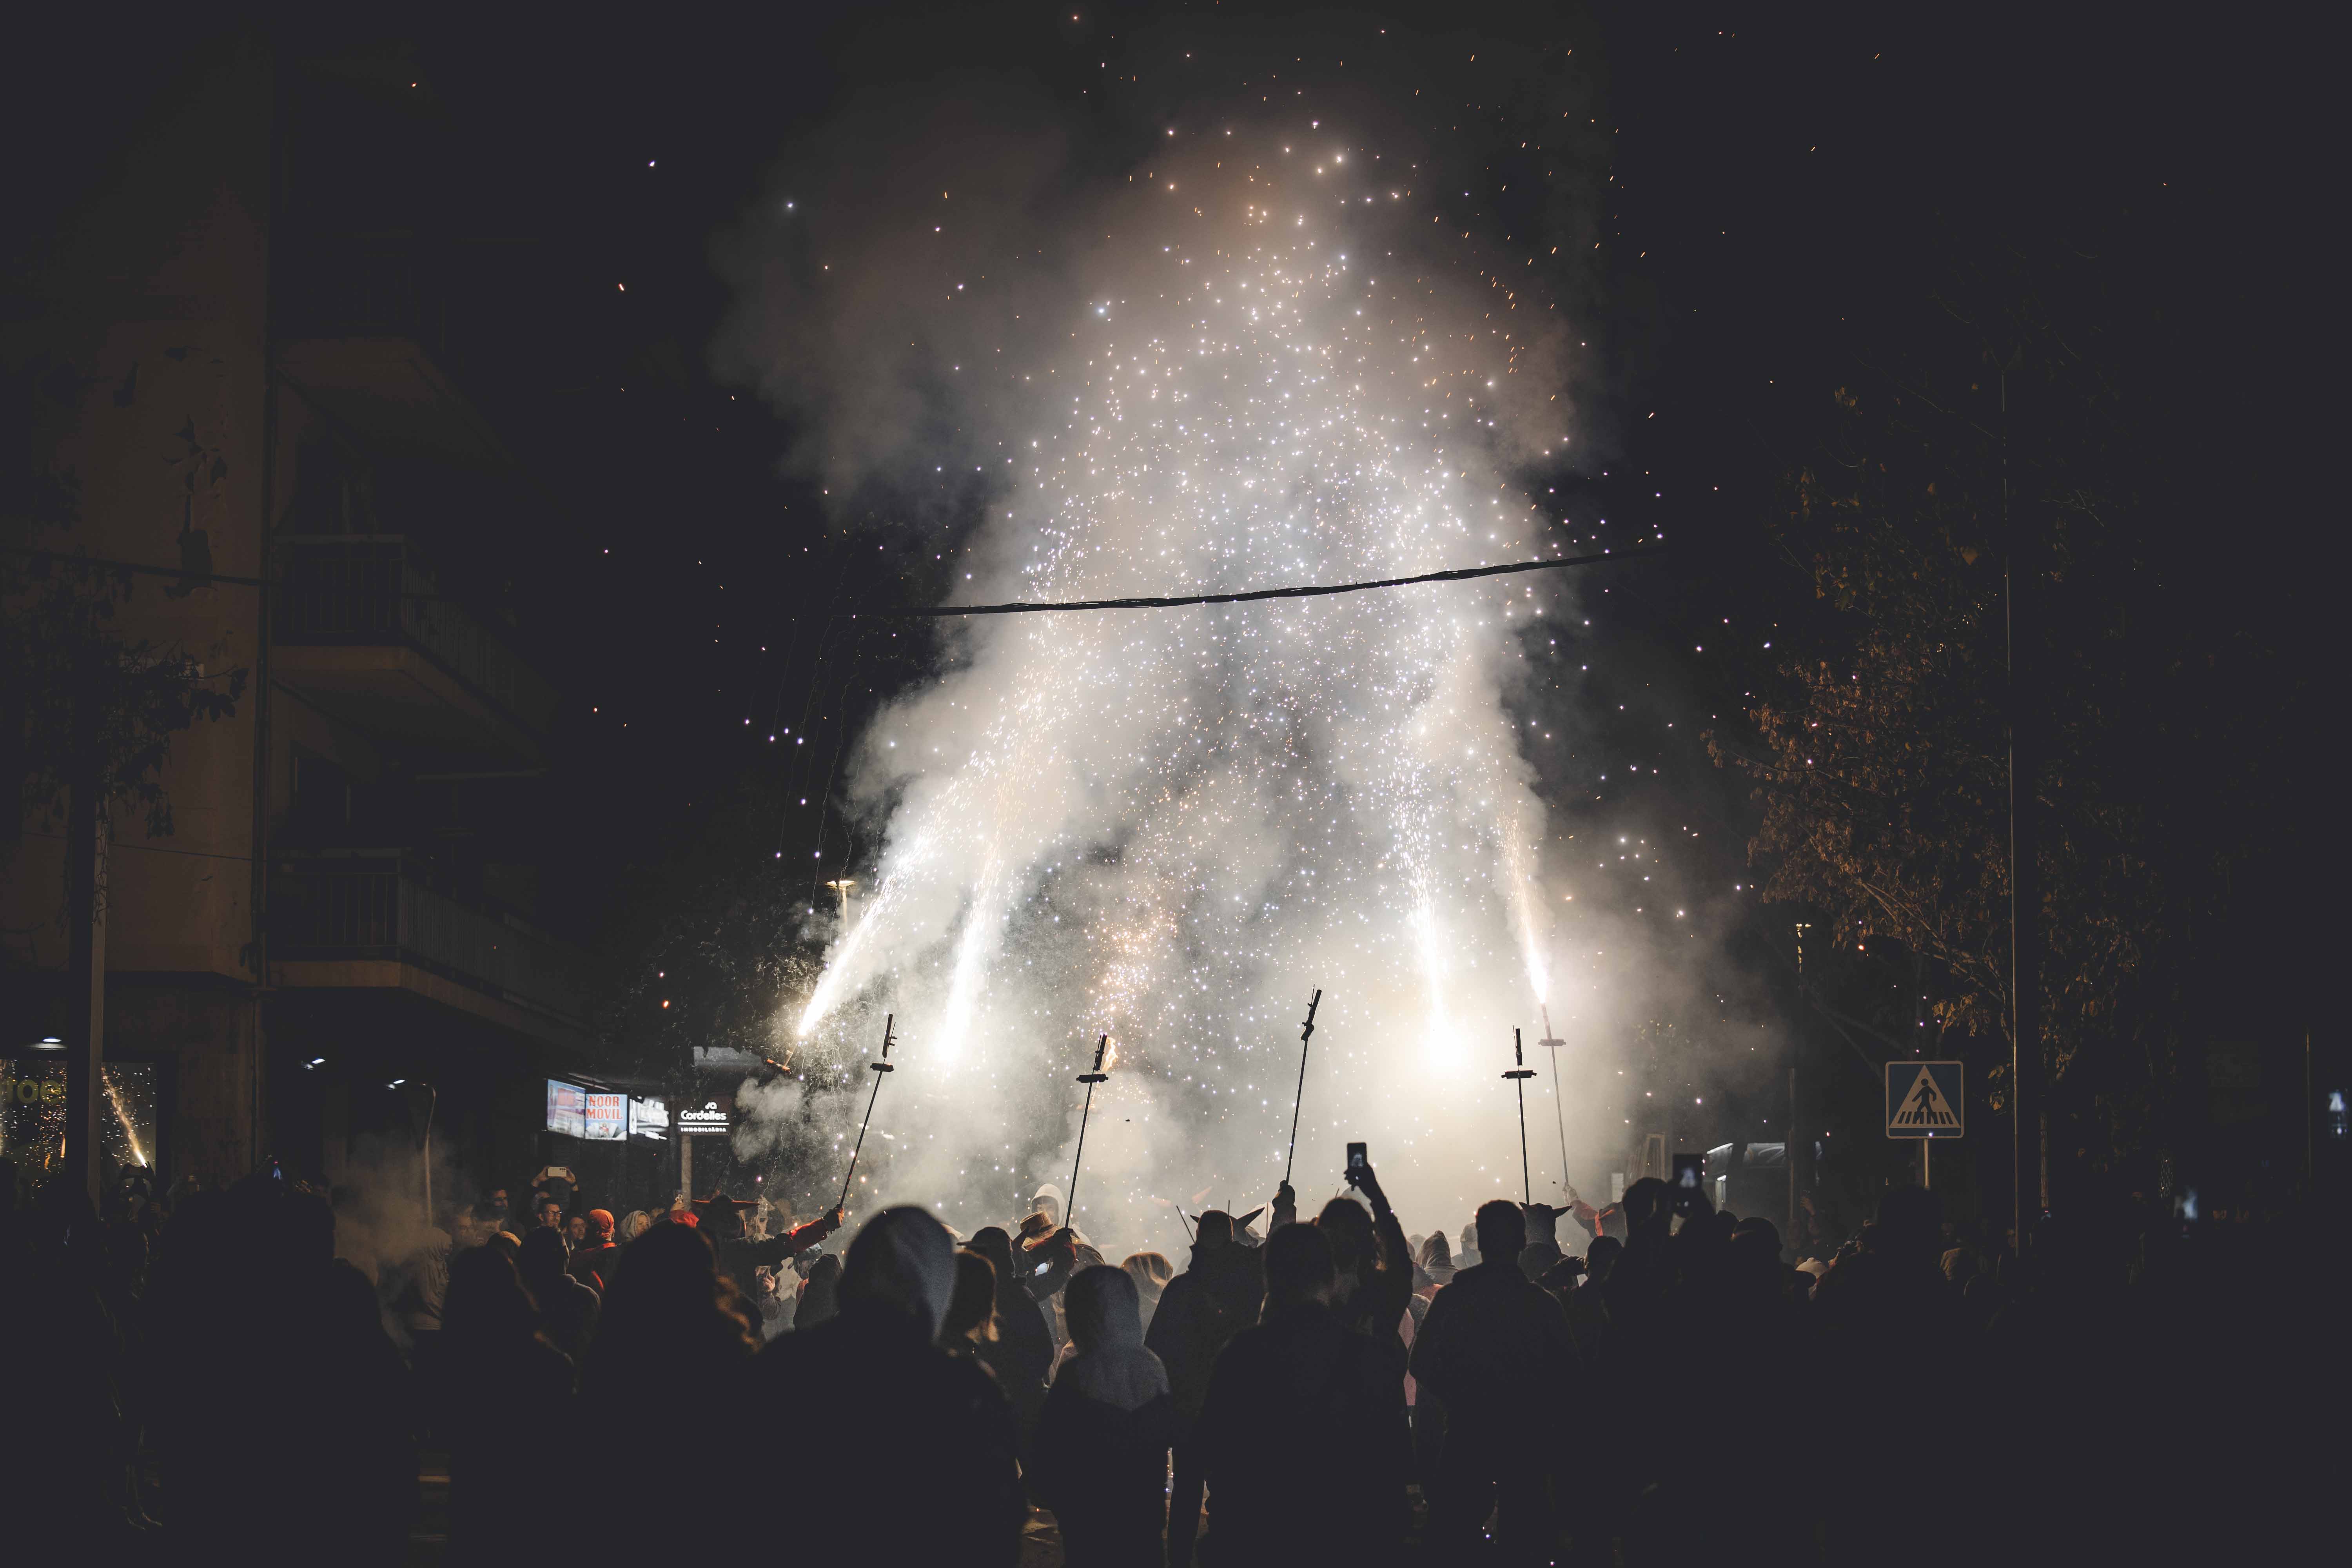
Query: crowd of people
207, 1379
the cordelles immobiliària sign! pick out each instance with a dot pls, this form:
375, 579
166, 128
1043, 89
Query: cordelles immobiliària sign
716, 1114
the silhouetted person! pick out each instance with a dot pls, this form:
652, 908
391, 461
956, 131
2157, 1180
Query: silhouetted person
1872, 1318
283, 1420
1542, 1248
70, 1447
671, 1324
507, 1397
1102, 1443
816, 1304
1199, 1312
1285, 1428
909, 1448
1496, 1349
971, 1320
1587, 1306
1375, 1266
1022, 1352
567, 1308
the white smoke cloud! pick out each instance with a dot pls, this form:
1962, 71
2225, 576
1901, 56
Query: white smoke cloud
1250, 360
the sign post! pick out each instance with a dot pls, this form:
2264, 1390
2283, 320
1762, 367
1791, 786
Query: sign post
1306, 1033
1924, 1100
1517, 1077
1070, 1203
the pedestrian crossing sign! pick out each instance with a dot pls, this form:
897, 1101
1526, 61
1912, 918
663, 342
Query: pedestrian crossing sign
1924, 1100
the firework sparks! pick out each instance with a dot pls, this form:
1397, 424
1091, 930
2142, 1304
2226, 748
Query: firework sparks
1153, 822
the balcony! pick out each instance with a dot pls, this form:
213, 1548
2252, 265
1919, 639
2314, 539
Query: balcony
362, 628
378, 918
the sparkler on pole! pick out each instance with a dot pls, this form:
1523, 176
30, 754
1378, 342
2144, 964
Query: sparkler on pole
1518, 1075
879, 1068
1070, 1206
1552, 1043
1306, 1033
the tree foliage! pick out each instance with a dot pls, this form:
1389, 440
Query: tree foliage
1985, 444
80, 700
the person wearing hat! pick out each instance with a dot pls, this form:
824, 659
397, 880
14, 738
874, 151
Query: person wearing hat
721, 1218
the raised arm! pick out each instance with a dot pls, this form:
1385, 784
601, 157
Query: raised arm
776, 1248
1393, 1281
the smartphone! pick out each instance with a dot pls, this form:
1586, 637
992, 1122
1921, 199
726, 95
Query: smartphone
1358, 1163
1042, 1267
1689, 1184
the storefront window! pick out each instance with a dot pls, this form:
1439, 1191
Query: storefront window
33, 1117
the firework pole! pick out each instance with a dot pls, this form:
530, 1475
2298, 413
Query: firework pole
879, 1068
1070, 1203
1306, 1033
1518, 1075
1552, 1043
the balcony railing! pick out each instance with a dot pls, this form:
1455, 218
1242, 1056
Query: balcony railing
367, 589
379, 904
344, 284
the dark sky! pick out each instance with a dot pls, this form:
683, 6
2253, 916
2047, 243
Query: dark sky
1769, 186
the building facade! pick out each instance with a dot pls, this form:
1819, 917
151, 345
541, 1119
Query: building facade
338, 953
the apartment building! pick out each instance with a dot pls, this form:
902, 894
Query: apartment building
340, 946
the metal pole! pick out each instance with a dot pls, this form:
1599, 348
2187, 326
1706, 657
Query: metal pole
2029, 1156
1792, 1159
1070, 1203
431, 1106
1306, 1033
86, 832
1518, 1075
879, 1068
1559, 1117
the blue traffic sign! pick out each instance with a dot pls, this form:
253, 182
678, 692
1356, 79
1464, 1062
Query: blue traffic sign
1924, 1100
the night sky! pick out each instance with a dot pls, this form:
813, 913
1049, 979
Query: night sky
1763, 194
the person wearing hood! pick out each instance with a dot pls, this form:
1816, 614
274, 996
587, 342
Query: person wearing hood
1199, 1312
1102, 1442
1022, 1352
1288, 1432
1045, 1202
913, 1459
971, 1321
